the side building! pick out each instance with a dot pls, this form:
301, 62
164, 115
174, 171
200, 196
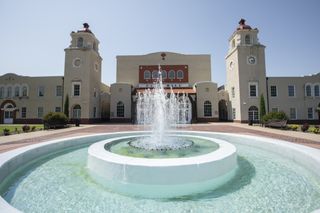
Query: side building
27, 99
247, 81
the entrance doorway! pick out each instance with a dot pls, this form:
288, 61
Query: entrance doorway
223, 111
9, 110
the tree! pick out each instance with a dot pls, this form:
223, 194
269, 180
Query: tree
318, 111
262, 107
66, 106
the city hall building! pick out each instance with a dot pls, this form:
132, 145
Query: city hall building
25, 99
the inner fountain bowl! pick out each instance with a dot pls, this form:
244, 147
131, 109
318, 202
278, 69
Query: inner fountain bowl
122, 167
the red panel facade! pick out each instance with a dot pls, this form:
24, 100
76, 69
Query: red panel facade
167, 68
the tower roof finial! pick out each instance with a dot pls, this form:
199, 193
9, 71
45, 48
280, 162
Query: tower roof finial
243, 26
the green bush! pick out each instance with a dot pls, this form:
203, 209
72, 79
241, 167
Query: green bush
293, 127
55, 120
6, 131
314, 129
26, 128
271, 116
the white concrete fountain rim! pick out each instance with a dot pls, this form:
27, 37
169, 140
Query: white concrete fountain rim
225, 149
302, 155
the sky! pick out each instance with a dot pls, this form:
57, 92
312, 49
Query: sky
34, 33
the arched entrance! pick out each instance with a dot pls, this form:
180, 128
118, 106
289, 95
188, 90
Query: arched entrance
223, 110
76, 111
8, 112
253, 114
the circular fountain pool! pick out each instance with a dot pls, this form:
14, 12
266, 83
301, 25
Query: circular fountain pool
272, 176
205, 163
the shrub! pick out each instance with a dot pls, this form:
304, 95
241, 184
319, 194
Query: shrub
33, 128
55, 120
274, 116
314, 129
304, 127
6, 131
26, 128
293, 127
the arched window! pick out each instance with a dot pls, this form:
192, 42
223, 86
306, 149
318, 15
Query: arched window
308, 90
180, 74
24, 91
9, 92
233, 44
164, 74
253, 113
80, 42
17, 91
207, 109
154, 74
171, 74
247, 39
146, 74
120, 109
1, 92
316, 91
76, 111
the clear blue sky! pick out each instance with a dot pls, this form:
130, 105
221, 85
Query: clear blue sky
34, 33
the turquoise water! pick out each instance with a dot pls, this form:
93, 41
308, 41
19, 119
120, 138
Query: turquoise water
200, 147
264, 182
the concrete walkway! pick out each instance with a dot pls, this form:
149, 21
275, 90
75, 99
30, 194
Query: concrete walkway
15, 141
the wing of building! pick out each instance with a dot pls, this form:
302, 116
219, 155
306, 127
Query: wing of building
25, 99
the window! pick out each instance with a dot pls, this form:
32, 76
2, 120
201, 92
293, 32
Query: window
76, 111
1, 92
316, 91
9, 92
58, 90
164, 74
310, 113
94, 112
146, 74
57, 109
273, 91
247, 39
274, 109
40, 112
76, 89
24, 91
41, 91
253, 113
207, 109
23, 112
291, 91
94, 92
80, 42
233, 94
293, 113
16, 91
120, 109
253, 90
233, 113
171, 74
154, 74
179, 74
308, 90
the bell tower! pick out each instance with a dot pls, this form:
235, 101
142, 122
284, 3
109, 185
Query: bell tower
246, 73
82, 75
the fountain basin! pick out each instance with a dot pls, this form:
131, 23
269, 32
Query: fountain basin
162, 178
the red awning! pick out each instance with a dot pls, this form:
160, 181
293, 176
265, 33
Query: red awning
175, 90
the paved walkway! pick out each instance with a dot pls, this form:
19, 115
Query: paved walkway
15, 141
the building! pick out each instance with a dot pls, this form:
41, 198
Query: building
26, 99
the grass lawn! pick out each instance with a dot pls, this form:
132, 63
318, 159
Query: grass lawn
12, 127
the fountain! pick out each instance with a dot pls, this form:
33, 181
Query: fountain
205, 164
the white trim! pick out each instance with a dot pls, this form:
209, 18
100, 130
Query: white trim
305, 90
271, 91
312, 110
72, 88
294, 90
296, 113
